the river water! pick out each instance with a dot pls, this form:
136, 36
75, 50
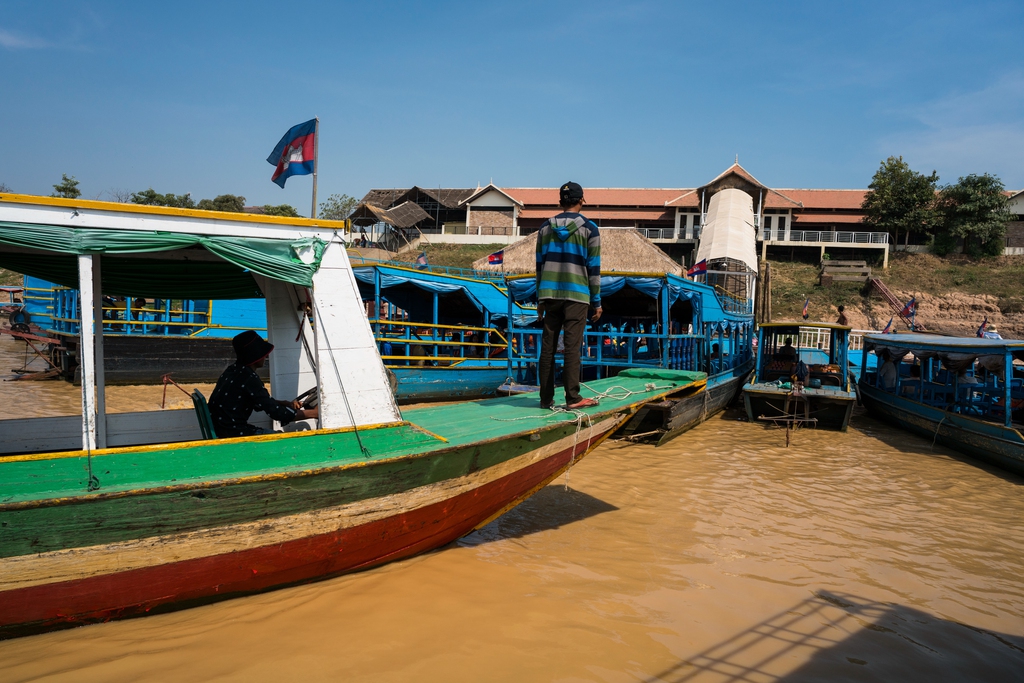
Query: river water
724, 556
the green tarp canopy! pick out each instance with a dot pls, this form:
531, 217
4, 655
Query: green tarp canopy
229, 278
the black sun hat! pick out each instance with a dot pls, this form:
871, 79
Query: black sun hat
570, 191
250, 347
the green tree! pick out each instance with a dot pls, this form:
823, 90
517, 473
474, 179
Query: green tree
152, 198
280, 210
67, 188
974, 210
900, 200
223, 202
4, 187
338, 207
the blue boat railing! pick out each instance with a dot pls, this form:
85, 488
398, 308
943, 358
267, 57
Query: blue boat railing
405, 343
618, 349
191, 317
733, 304
942, 389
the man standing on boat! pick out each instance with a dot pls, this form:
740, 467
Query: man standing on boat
240, 391
568, 285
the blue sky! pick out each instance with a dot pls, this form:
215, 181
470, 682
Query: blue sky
192, 97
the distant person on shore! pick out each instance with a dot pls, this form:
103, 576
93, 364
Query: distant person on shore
240, 391
568, 285
841, 320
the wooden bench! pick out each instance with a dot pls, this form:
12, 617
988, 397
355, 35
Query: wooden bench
843, 271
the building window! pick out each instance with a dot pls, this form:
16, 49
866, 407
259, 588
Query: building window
782, 224
767, 227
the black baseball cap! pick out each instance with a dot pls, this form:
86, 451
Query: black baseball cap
570, 191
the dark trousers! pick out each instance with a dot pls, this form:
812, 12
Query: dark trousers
570, 317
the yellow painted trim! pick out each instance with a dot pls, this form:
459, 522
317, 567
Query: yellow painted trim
115, 207
428, 432
179, 445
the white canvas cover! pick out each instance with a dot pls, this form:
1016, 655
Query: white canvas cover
729, 230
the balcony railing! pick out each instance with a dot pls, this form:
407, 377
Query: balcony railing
826, 237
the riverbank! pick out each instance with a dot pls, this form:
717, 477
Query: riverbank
953, 294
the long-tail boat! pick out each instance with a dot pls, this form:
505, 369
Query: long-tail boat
827, 396
966, 393
109, 516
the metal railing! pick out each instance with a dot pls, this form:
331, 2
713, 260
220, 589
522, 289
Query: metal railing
820, 338
825, 236
403, 343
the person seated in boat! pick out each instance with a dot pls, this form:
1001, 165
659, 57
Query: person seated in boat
787, 352
240, 391
888, 373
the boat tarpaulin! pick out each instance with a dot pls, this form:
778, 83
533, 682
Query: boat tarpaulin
293, 261
485, 296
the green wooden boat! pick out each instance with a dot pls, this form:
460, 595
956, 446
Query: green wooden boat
109, 516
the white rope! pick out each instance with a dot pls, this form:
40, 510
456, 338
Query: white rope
624, 393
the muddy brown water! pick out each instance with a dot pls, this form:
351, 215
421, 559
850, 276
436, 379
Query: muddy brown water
724, 556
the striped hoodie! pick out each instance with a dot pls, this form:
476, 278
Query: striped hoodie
569, 259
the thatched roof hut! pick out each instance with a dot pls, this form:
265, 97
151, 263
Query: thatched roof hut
622, 250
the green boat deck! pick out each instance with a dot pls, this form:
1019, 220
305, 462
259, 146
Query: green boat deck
51, 477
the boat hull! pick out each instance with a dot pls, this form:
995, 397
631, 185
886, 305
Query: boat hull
995, 444
456, 383
664, 421
68, 584
831, 410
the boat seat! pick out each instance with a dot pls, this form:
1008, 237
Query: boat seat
203, 414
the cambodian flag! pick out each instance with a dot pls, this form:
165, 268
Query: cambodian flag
982, 326
807, 304
295, 154
700, 268
497, 258
421, 261
888, 326
909, 308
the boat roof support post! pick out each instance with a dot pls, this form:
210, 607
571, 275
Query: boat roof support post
354, 387
1007, 387
90, 352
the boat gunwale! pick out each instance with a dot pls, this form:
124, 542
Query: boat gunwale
449, 447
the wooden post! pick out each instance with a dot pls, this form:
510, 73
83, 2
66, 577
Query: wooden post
87, 350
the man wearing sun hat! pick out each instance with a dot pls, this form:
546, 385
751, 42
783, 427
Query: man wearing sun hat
568, 286
240, 391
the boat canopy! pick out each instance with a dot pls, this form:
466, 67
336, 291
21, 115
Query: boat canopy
296, 264
729, 231
956, 353
399, 286
706, 301
293, 261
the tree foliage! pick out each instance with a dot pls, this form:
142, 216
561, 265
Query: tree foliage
974, 210
67, 188
224, 202
151, 198
4, 187
338, 207
280, 210
900, 199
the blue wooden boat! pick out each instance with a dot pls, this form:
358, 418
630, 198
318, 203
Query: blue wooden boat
964, 393
826, 398
443, 336
654, 320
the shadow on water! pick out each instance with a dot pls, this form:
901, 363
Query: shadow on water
550, 508
842, 637
909, 442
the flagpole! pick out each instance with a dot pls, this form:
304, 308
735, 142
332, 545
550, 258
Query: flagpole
316, 162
